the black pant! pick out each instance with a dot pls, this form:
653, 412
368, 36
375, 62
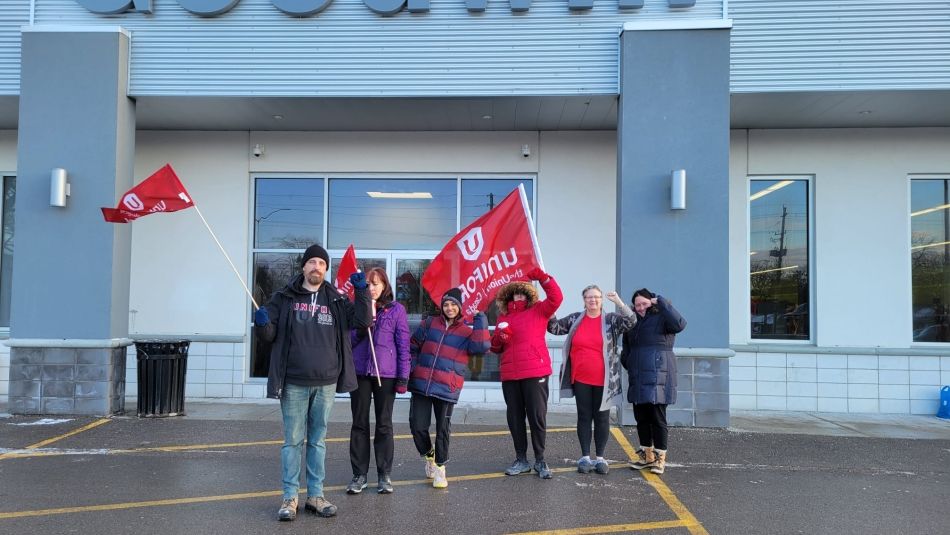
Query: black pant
382, 398
420, 416
588, 400
651, 425
527, 398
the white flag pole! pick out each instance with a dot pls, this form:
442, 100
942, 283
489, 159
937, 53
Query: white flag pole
527, 213
215, 238
372, 348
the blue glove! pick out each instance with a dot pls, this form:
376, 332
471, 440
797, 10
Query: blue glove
261, 318
358, 280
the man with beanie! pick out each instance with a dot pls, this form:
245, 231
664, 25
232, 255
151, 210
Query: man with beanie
308, 322
440, 349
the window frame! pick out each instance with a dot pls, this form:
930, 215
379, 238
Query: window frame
909, 256
4, 175
391, 254
812, 280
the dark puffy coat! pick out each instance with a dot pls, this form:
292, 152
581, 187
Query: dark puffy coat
391, 342
346, 315
648, 355
440, 354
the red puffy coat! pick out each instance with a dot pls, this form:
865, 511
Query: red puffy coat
525, 355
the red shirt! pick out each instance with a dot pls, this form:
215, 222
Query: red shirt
587, 353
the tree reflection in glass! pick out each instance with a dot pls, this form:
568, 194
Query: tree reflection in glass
778, 259
930, 259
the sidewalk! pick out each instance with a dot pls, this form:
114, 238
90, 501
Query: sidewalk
778, 422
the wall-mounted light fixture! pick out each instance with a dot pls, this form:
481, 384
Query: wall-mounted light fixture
58, 187
678, 189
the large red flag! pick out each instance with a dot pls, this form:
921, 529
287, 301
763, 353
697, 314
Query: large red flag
495, 249
161, 192
347, 267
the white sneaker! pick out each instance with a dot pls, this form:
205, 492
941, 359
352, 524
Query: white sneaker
430, 466
439, 481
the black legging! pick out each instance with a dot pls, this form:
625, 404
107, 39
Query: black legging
527, 399
651, 425
588, 399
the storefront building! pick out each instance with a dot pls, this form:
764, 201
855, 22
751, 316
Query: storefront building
809, 253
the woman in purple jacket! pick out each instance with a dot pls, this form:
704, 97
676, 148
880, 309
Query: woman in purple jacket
390, 332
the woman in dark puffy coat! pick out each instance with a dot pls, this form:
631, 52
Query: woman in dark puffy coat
649, 359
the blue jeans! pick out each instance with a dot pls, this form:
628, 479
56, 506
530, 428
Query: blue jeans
306, 410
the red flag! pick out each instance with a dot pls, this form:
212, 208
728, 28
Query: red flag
161, 192
347, 267
497, 248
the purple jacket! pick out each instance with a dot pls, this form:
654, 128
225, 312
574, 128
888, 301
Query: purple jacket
391, 340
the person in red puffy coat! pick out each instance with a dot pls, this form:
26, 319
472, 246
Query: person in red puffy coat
525, 364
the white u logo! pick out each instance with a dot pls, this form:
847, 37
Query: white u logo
471, 244
132, 202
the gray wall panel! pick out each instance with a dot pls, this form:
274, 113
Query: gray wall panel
679, 120
347, 50
68, 263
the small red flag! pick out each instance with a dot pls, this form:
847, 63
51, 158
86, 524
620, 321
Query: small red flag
161, 192
347, 267
497, 248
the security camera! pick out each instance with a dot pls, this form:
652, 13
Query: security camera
258, 150
526, 151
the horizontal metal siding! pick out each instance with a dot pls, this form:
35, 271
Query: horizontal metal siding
348, 50
13, 16
784, 45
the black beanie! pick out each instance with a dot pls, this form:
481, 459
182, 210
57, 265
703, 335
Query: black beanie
315, 251
453, 294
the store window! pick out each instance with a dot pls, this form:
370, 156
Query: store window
399, 224
779, 238
930, 258
6, 248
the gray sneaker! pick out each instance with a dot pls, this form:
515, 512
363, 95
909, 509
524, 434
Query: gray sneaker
584, 465
601, 467
288, 510
357, 485
520, 466
385, 485
542, 469
318, 505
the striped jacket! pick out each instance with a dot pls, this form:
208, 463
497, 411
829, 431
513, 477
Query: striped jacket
440, 355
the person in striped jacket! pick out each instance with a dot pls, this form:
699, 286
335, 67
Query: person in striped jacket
440, 348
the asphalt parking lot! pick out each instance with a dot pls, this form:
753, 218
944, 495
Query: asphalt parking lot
186, 475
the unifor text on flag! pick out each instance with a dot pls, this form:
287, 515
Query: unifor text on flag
161, 192
497, 248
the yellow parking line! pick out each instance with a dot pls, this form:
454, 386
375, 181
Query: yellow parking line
169, 449
615, 528
48, 441
239, 496
689, 521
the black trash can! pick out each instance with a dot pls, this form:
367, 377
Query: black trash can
161, 377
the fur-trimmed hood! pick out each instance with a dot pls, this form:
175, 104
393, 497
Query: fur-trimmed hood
507, 294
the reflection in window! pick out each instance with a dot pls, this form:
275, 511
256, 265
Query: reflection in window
480, 195
391, 213
930, 259
778, 259
288, 213
272, 271
6, 248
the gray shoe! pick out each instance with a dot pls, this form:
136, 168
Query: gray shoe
357, 485
520, 466
288, 510
601, 467
542, 469
385, 485
584, 466
318, 505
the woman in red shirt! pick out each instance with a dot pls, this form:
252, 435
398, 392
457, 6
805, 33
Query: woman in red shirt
591, 369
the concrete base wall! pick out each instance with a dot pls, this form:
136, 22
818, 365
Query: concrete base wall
57, 380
